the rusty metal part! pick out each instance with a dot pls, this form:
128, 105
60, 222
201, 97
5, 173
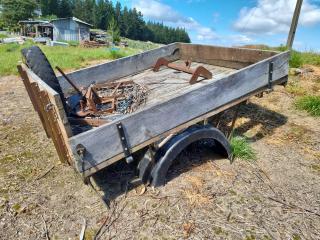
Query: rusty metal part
188, 63
69, 80
103, 98
198, 72
95, 122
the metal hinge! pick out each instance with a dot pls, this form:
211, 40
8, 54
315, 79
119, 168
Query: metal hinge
124, 143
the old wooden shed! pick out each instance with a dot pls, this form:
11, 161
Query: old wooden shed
70, 29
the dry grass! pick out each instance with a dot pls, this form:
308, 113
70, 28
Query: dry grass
208, 200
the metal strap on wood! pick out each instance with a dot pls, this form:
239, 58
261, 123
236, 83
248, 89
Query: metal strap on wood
124, 143
270, 76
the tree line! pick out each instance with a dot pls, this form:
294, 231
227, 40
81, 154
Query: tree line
100, 13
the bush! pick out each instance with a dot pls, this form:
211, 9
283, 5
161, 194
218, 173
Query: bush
296, 60
116, 53
311, 104
241, 149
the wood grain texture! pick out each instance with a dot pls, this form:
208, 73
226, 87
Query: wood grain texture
119, 68
179, 128
49, 106
223, 56
54, 98
103, 143
166, 83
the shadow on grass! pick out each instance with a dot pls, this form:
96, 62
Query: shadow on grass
259, 121
115, 180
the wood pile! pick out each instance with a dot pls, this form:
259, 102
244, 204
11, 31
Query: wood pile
93, 44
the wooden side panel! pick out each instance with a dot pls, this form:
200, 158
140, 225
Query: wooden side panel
222, 56
49, 107
118, 68
54, 98
34, 100
103, 143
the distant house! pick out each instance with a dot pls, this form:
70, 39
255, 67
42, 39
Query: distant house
36, 28
70, 29
61, 29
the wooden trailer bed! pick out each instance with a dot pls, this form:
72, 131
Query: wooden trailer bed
167, 83
173, 104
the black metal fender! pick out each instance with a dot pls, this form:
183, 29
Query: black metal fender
169, 151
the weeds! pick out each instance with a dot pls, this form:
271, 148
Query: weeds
141, 45
311, 104
241, 149
294, 88
3, 35
65, 57
296, 60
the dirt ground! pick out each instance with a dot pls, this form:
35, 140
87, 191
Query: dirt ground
275, 197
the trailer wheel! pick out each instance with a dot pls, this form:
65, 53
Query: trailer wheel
168, 153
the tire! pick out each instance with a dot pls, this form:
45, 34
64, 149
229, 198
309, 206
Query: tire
39, 64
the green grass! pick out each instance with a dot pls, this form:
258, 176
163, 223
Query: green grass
297, 60
141, 45
64, 57
241, 149
295, 88
3, 35
311, 104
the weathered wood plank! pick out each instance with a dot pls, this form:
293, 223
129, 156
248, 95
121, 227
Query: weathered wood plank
34, 98
166, 83
119, 68
103, 143
55, 121
54, 98
223, 56
179, 128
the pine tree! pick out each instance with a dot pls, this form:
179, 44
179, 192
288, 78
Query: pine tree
88, 11
44, 6
53, 7
78, 10
124, 22
114, 31
101, 13
64, 9
117, 12
15, 10
101, 18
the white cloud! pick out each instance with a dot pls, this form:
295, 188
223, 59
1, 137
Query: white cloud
240, 39
274, 16
156, 10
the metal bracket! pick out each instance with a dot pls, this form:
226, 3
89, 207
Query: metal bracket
270, 76
49, 107
81, 151
200, 71
124, 143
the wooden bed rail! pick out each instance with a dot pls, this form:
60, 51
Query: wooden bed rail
46, 103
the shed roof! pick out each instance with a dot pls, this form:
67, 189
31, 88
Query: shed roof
33, 22
73, 19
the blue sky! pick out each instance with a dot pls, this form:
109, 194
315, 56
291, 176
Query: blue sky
236, 22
